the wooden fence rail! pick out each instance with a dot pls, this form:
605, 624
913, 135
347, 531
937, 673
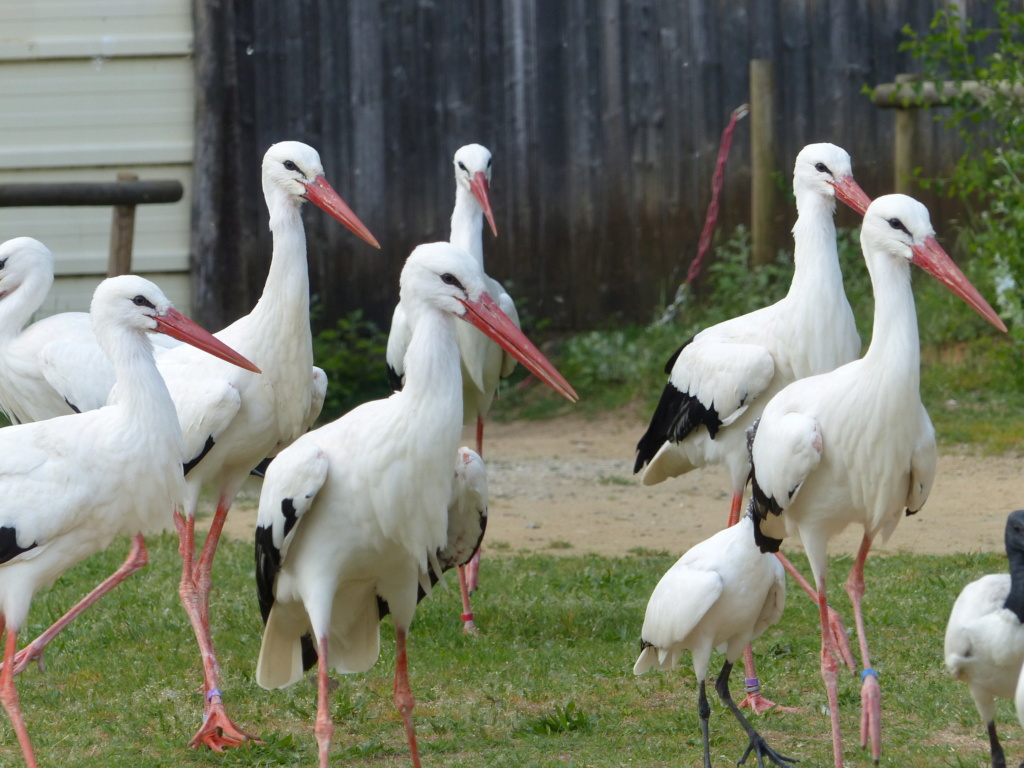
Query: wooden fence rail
124, 195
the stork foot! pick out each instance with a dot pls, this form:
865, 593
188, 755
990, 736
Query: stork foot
759, 747
871, 714
759, 704
469, 627
840, 638
219, 733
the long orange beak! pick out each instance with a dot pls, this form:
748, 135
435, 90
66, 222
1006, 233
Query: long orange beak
322, 194
177, 326
936, 262
849, 191
488, 317
482, 192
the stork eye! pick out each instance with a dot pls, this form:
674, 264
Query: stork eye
462, 165
3, 263
289, 165
142, 301
449, 279
488, 162
897, 224
822, 168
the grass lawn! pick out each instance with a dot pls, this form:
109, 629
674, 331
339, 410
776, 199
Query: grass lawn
549, 683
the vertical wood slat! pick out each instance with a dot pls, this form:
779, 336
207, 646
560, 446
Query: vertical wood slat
762, 140
603, 117
122, 234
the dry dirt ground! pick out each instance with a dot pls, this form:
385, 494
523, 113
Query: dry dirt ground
565, 486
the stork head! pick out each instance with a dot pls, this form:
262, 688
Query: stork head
1014, 536
900, 226
23, 259
444, 277
473, 174
134, 303
824, 169
292, 171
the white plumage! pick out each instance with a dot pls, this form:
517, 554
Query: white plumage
353, 515
721, 594
233, 420
856, 445
73, 483
483, 362
985, 635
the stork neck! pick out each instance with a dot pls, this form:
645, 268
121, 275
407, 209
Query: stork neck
285, 299
816, 270
432, 373
1015, 600
17, 308
140, 389
468, 224
895, 346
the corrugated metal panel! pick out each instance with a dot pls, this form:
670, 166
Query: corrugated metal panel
88, 89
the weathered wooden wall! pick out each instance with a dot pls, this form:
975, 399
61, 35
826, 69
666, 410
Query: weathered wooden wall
604, 117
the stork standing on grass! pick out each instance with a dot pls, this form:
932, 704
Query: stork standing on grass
231, 419
71, 484
985, 635
483, 362
353, 515
856, 445
722, 378
722, 594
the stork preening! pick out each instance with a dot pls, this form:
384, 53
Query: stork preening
73, 483
483, 362
722, 378
985, 635
353, 514
722, 594
856, 445
231, 419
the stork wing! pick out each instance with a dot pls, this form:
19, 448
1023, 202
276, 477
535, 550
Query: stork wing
677, 605
398, 342
784, 451
710, 383
79, 371
205, 406
505, 303
292, 482
467, 511
922, 465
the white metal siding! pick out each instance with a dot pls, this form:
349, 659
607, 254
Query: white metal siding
88, 89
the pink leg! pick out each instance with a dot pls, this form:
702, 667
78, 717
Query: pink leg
217, 731
468, 626
753, 699
830, 674
9, 697
840, 639
137, 558
870, 693
480, 435
324, 725
403, 693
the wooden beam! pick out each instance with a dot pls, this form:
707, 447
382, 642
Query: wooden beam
90, 193
903, 143
911, 94
122, 233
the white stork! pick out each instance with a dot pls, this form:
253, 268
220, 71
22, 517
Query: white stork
722, 594
855, 445
231, 419
53, 367
73, 483
484, 363
985, 635
722, 378
353, 514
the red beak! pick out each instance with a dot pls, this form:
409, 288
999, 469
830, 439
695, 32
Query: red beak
482, 192
849, 192
321, 194
179, 327
935, 261
488, 317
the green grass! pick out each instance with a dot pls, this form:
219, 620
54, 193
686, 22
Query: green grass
549, 683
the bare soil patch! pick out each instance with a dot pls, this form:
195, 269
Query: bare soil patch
566, 486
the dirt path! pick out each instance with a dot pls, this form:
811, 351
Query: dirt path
566, 486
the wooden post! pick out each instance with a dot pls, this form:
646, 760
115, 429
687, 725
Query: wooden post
762, 152
903, 144
122, 234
